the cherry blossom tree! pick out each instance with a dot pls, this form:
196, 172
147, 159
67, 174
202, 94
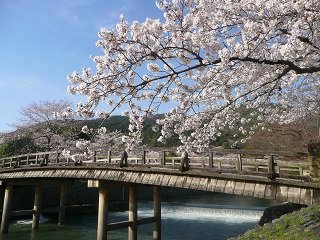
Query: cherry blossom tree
47, 124
102, 138
206, 60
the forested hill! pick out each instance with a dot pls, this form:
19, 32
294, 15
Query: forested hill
149, 137
114, 123
290, 137
121, 123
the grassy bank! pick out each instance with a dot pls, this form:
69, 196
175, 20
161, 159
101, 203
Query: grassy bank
303, 224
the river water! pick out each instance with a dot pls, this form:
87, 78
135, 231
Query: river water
212, 216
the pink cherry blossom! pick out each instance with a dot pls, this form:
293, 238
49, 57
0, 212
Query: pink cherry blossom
211, 59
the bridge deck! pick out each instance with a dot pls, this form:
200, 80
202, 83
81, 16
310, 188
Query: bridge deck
290, 190
251, 173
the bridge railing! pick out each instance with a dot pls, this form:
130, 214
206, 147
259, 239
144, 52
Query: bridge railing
270, 164
30, 159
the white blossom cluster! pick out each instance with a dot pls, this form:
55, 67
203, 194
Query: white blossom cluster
212, 58
135, 127
77, 157
99, 139
105, 139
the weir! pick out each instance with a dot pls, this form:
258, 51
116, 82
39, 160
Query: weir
209, 212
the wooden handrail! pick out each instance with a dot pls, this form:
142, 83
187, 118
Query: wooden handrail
240, 161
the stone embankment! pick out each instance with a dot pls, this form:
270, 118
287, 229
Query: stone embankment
302, 224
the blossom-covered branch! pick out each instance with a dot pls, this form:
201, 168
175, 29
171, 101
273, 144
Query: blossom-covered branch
211, 58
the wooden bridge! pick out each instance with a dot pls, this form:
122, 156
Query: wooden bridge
282, 176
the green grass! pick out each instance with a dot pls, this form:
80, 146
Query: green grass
295, 226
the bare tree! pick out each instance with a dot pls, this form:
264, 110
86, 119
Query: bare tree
293, 136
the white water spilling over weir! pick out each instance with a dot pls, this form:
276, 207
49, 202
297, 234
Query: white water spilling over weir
211, 214
204, 213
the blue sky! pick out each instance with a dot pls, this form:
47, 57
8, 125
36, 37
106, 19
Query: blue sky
43, 41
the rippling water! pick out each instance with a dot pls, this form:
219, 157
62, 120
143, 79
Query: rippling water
205, 217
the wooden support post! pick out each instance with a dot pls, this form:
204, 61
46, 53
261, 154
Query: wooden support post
109, 156
102, 211
94, 156
63, 202
185, 162
124, 159
133, 213
300, 170
27, 162
271, 168
45, 160
219, 165
314, 155
210, 159
144, 157
257, 167
17, 163
163, 158
57, 156
37, 207
157, 213
239, 162
6, 209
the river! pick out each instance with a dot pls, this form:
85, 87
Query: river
211, 216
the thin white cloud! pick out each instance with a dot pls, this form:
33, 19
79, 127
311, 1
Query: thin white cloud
70, 10
81, 16
91, 14
18, 82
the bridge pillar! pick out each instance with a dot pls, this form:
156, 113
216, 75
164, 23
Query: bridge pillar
157, 213
63, 201
37, 207
6, 209
102, 211
133, 213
